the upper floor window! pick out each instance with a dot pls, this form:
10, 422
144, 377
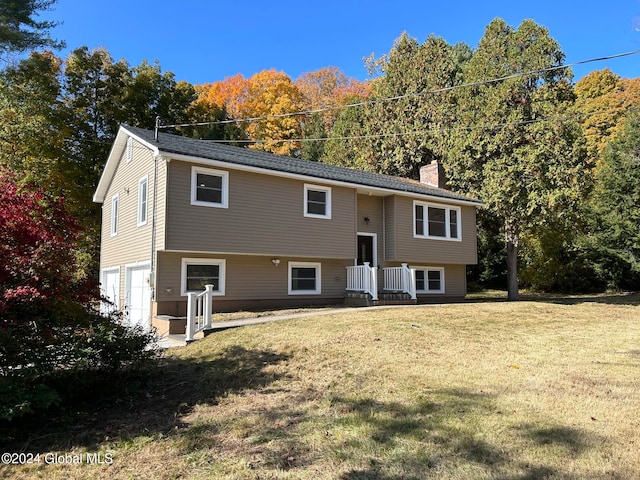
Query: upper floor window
436, 221
209, 187
317, 201
143, 195
115, 212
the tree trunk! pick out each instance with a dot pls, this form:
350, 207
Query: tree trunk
512, 238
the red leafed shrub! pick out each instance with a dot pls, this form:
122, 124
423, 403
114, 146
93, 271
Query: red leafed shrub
49, 324
37, 247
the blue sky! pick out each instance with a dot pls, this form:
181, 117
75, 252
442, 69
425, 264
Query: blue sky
203, 41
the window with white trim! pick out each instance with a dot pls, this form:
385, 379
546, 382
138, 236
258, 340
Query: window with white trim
317, 201
304, 278
209, 187
198, 272
429, 279
436, 221
143, 200
115, 212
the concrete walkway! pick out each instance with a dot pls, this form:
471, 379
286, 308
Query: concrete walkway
170, 341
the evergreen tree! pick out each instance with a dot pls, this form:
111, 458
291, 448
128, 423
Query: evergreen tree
20, 31
614, 239
312, 129
513, 145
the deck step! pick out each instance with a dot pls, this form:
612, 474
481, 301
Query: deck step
360, 299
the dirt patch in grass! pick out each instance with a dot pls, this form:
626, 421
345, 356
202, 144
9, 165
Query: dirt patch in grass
243, 314
525, 390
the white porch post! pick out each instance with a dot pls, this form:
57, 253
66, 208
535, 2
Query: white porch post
373, 275
366, 277
208, 305
191, 316
409, 281
412, 283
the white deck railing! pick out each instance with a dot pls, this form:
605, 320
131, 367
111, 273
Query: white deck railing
400, 279
199, 311
363, 278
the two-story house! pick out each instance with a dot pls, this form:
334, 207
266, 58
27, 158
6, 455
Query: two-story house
269, 231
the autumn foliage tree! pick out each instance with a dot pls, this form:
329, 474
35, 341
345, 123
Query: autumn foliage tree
327, 88
275, 106
271, 97
267, 98
604, 101
37, 264
324, 91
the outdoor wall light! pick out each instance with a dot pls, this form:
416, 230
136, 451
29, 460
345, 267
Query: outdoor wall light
169, 290
275, 261
367, 220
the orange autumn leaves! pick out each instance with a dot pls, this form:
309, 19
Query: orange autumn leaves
269, 96
604, 99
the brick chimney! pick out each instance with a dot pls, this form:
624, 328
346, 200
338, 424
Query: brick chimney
433, 175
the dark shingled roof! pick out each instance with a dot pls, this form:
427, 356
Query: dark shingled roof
206, 149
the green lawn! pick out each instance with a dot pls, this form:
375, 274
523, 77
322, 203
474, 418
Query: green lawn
547, 388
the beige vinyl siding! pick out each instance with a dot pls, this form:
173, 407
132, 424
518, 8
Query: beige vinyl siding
132, 244
425, 250
160, 203
265, 215
390, 228
248, 278
455, 282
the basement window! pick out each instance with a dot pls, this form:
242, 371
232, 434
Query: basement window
430, 280
198, 272
304, 278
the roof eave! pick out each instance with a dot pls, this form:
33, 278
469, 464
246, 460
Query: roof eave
115, 154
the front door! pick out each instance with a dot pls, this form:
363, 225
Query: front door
366, 250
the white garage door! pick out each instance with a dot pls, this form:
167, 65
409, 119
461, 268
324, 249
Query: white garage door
139, 295
110, 289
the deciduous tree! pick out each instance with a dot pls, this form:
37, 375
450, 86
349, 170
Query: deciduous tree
327, 88
603, 101
230, 94
271, 96
47, 323
58, 120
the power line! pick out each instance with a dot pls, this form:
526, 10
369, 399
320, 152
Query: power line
487, 126
400, 97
